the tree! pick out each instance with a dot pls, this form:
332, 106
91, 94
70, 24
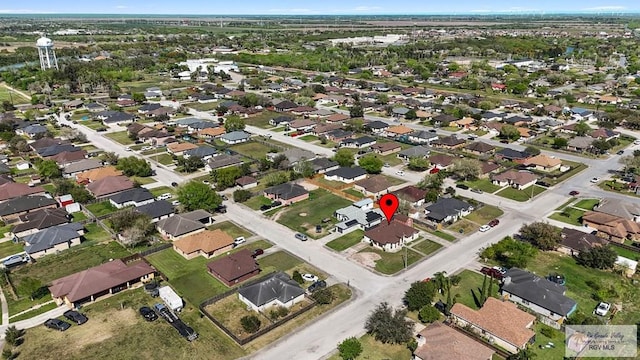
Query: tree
601, 145
542, 235
138, 98
356, 111
250, 323
280, 162
190, 164
350, 348
582, 128
297, 277
79, 193
510, 252
323, 296
418, 164
195, 195
419, 295
532, 150
371, 164
241, 195
110, 158
599, 257
49, 169
304, 168
560, 143
344, 157
233, 123
12, 335
509, 132
467, 169
226, 177
428, 314
523, 354
411, 115
432, 182
276, 178
389, 326
134, 166
138, 232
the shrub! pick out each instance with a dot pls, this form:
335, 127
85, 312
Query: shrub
429, 314
323, 296
250, 323
548, 331
297, 277
350, 348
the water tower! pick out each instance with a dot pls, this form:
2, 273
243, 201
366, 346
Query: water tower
47, 55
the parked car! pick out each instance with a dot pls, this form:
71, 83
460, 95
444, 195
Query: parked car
148, 313
492, 272
276, 203
164, 196
309, 277
318, 229
239, 240
152, 289
257, 252
175, 203
602, 309
221, 209
57, 324
432, 130
400, 173
620, 152
542, 183
301, 237
75, 316
595, 180
127, 149
265, 207
557, 278
494, 223
174, 184
477, 191
16, 260
317, 286
500, 269
462, 186
387, 165
574, 193
484, 228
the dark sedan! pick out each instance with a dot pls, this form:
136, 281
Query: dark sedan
57, 324
76, 317
148, 313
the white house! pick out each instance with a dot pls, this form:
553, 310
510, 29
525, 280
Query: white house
277, 289
346, 174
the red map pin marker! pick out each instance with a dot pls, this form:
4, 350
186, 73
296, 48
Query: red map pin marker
388, 204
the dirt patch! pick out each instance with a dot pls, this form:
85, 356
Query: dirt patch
102, 326
366, 259
308, 186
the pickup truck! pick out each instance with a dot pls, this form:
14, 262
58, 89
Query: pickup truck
184, 330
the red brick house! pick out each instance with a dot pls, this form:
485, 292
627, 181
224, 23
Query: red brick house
234, 268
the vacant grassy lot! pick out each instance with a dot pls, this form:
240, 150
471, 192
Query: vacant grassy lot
587, 204
203, 106
482, 184
470, 283
309, 138
305, 215
161, 190
189, 278
113, 332
568, 215
257, 201
11, 96
278, 261
558, 178
346, 241
48, 268
101, 208
354, 192
262, 119
443, 235
463, 226
616, 288
231, 229
330, 184
121, 137
252, 149
426, 247
485, 214
9, 248
521, 195
375, 350
95, 233
230, 310
391, 263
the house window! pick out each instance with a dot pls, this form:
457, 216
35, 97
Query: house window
525, 302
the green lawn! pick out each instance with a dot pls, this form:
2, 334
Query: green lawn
587, 204
485, 214
152, 151
8, 248
34, 312
93, 125
231, 229
557, 178
375, 350
96, 233
391, 159
164, 158
469, 281
252, 149
521, 195
309, 138
557, 339
262, 119
305, 215
482, 184
278, 261
346, 241
101, 208
5, 229
354, 192
426, 247
143, 180
391, 263
443, 235
161, 190
189, 278
203, 106
569, 215
121, 137
633, 255
257, 201
567, 203
50, 188
12, 96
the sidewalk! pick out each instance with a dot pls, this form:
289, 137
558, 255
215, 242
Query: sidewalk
34, 321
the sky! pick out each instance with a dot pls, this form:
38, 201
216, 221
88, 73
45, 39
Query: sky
323, 7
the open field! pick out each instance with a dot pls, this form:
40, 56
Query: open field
390, 263
305, 215
278, 261
346, 241
426, 247
252, 149
521, 195
11, 96
484, 214
209, 106
262, 119
231, 229
121, 137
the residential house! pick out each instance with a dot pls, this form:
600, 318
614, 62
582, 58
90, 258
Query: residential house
148, 107
439, 341
322, 165
234, 268
346, 174
32, 131
447, 210
281, 120
574, 241
246, 182
374, 186
277, 289
622, 209
53, 239
323, 129
109, 185
360, 214
10, 190
518, 121
580, 114
339, 135
75, 168
156, 210
604, 134
441, 161
56, 149
487, 169
337, 118
443, 120
419, 151
12, 209
181, 225
540, 295
499, 322
626, 266
516, 179
73, 104
119, 118
108, 278
612, 227
285, 105
510, 154
412, 195
449, 142
376, 127
464, 123
95, 107
211, 133
543, 163
68, 157
178, 148
207, 243
235, 137
580, 143
202, 152
302, 125
399, 111
391, 236
96, 174
45, 142
480, 148
387, 148
296, 155
132, 197
287, 193
397, 131
33, 222
222, 161
358, 143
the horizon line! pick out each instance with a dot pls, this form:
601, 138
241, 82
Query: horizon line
461, 13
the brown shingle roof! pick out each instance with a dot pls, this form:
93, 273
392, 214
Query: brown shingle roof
103, 277
12, 190
246, 180
179, 147
389, 233
110, 185
337, 117
399, 130
374, 184
442, 160
516, 177
502, 319
98, 173
68, 156
443, 342
206, 241
384, 147
411, 193
234, 266
579, 240
480, 146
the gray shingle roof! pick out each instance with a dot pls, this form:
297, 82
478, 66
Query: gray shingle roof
201, 151
235, 136
276, 286
82, 165
416, 151
49, 237
347, 172
156, 209
24, 203
446, 207
135, 194
286, 191
42, 219
537, 290
179, 225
